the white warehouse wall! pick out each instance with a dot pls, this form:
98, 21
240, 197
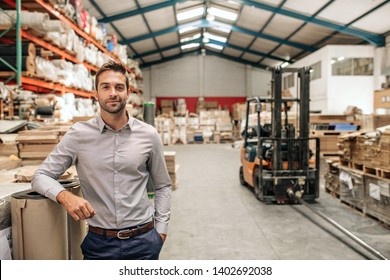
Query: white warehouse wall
318, 87
206, 76
333, 94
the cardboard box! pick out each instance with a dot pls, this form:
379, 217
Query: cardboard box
378, 198
167, 103
382, 99
352, 189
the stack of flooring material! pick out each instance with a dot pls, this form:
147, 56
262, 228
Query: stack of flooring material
10, 162
35, 145
172, 167
28, 51
8, 145
9, 152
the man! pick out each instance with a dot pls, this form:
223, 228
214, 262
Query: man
114, 155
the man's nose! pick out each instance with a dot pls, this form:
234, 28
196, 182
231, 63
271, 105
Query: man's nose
113, 91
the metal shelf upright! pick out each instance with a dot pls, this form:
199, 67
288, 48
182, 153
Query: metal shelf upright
18, 42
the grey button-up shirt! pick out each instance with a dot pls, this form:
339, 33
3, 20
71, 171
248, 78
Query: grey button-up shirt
113, 168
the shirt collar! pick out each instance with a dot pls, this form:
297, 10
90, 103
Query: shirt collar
102, 125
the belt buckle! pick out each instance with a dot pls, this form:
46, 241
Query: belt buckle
121, 233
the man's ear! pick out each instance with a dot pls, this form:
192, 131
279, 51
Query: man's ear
95, 94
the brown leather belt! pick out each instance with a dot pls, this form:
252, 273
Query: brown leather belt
123, 233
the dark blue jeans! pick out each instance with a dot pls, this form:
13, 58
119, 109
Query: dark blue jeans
146, 246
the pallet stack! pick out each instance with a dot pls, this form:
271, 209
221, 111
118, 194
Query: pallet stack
35, 145
332, 182
170, 159
352, 188
9, 152
365, 173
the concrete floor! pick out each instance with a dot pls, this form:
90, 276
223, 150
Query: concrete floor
215, 218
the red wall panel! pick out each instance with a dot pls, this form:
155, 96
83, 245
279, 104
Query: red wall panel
192, 101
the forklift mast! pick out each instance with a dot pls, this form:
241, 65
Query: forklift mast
287, 159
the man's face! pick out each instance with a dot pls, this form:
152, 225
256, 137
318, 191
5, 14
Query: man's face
112, 92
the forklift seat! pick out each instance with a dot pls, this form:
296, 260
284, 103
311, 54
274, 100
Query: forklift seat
251, 153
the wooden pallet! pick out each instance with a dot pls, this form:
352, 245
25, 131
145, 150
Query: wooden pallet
329, 154
332, 193
381, 221
352, 206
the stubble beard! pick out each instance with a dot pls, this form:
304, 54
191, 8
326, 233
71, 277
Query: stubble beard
113, 110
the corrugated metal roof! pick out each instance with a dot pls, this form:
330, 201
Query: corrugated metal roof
265, 33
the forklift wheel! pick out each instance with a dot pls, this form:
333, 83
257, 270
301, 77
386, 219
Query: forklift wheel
256, 183
242, 181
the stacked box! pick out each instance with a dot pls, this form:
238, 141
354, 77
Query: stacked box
344, 148
167, 107
352, 187
164, 127
193, 122
181, 107
358, 149
328, 140
170, 160
8, 145
378, 198
179, 135
190, 135
332, 182
35, 145
348, 147
384, 151
371, 153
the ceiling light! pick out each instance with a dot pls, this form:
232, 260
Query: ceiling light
222, 27
233, 2
340, 58
284, 64
186, 39
205, 40
210, 17
190, 46
215, 37
222, 13
214, 46
332, 61
190, 14
187, 29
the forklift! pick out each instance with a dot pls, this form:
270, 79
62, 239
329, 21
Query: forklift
279, 159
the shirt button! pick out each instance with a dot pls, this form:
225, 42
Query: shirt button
115, 172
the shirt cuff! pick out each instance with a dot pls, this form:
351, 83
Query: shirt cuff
161, 228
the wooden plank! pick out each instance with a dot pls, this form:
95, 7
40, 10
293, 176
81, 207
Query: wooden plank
36, 147
37, 139
41, 154
7, 163
38, 132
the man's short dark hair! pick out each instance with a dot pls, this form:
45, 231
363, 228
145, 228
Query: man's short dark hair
112, 65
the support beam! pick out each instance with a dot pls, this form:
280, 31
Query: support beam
372, 38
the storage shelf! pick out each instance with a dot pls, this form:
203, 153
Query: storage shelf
30, 83
50, 47
78, 30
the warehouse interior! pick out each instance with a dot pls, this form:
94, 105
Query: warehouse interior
246, 95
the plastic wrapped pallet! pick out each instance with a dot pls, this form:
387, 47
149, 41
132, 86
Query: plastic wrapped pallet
378, 198
352, 186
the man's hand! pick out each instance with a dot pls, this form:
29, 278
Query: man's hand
163, 236
76, 206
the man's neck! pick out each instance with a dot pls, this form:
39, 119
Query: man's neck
115, 121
